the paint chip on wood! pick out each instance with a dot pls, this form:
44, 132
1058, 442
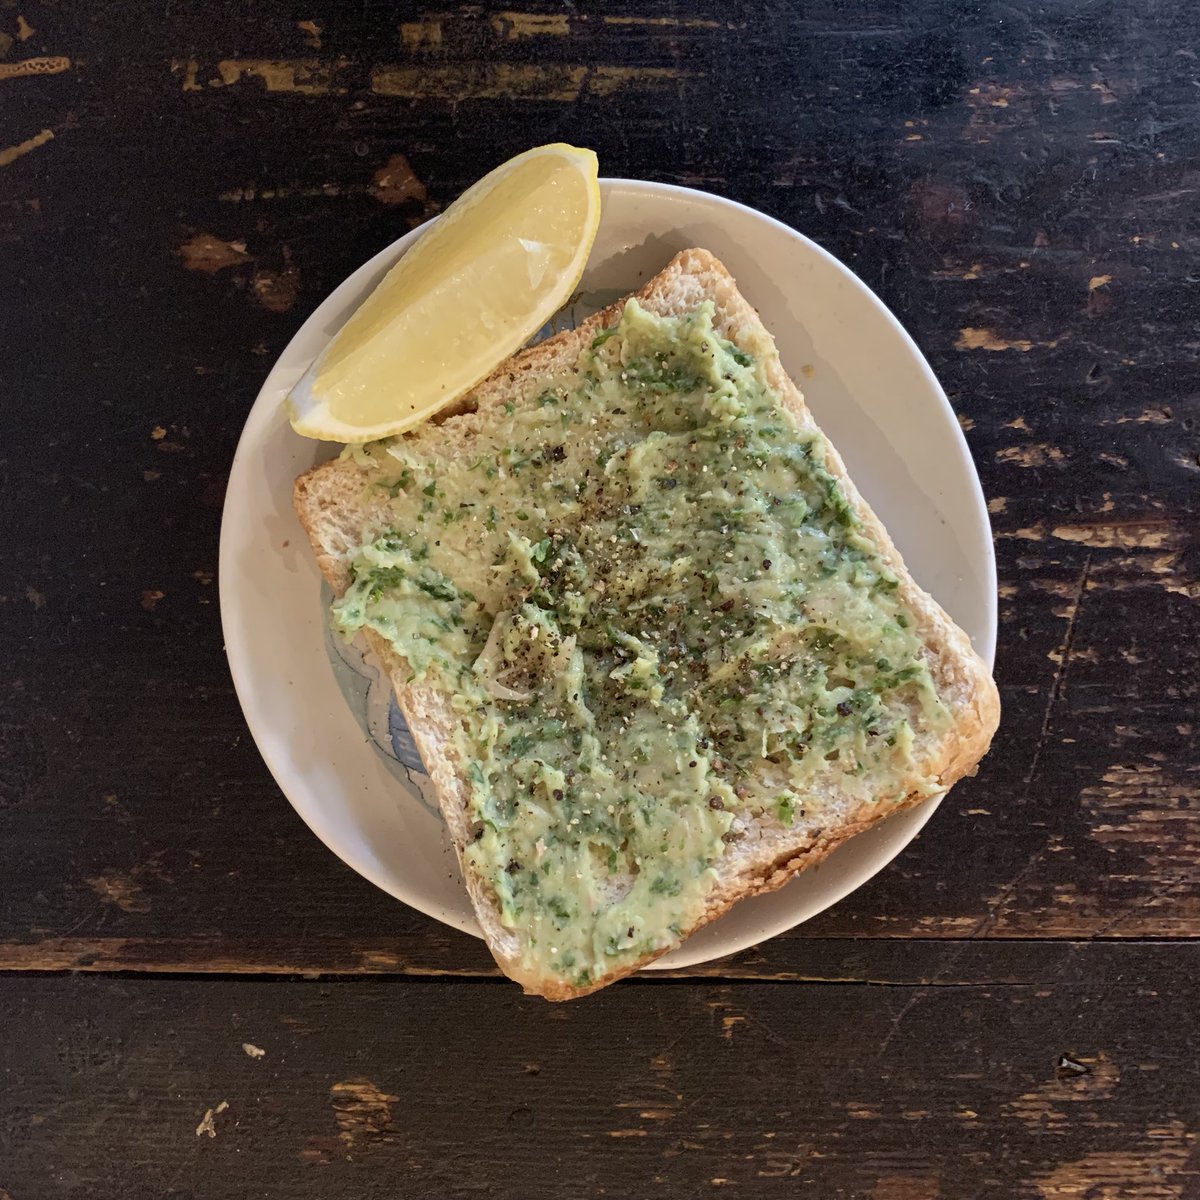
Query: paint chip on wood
12, 153
208, 1123
121, 891
276, 291
49, 64
1040, 454
561, 82
421, 35
516, 26
363, 1112
972, 338
209, 254
396, 181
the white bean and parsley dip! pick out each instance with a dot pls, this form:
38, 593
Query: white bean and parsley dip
656, 613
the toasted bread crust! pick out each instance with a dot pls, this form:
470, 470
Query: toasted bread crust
333, 512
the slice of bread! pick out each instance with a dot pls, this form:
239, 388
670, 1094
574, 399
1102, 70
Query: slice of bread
340, 512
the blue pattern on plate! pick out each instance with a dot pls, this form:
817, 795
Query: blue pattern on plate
366, 691
403, 745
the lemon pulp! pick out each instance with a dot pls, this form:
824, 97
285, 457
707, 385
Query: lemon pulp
487, 275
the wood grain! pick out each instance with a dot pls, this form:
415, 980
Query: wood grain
199, 1000
1018, 190
149, 1088
1017, 183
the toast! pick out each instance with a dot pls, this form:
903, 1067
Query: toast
876, 736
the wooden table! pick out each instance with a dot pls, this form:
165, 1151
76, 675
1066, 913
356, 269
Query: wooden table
199, 1000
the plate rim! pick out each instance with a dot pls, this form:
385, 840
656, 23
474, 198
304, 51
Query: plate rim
265, 403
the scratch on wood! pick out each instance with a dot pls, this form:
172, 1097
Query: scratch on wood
1060, 673
12, 153
312, 33
674, 22
561, 82
898, 1020
997, 905
514, 26
47, 65
214, 956
974, 338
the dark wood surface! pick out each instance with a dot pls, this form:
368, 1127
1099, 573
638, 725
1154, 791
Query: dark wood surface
1008, 1010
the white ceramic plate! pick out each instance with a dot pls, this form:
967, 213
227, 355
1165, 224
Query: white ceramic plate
321, 722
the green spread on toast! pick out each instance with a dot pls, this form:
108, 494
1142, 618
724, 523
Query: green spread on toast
659, 619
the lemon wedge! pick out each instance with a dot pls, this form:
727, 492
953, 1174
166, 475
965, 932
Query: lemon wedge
497, 264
